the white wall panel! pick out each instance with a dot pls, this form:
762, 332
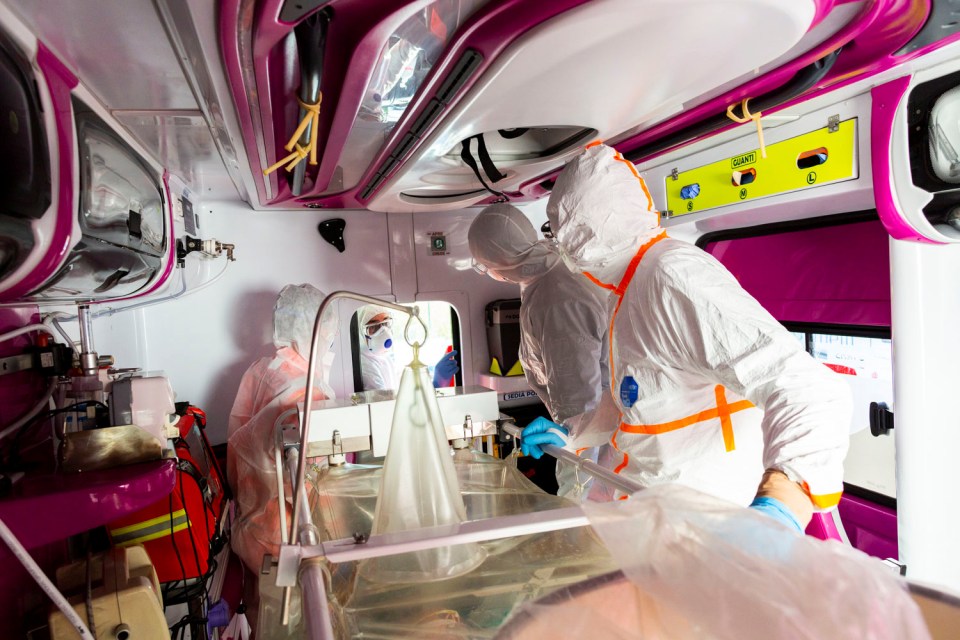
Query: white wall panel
451, 277
926, 363
205, 341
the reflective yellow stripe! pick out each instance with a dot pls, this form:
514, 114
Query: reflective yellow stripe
153, 536
149, 523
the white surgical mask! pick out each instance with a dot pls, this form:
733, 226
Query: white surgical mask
381, 341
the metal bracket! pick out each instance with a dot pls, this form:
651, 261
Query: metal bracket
288, 565
893, 565
290, 437
833, 123
267, 565
674, 174
336, 442
666, 214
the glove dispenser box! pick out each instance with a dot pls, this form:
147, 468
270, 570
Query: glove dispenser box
503, 337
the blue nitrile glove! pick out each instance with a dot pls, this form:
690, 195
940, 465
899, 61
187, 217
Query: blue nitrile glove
539, 432
446, 368
778, 511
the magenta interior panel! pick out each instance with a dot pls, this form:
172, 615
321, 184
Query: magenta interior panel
870, 527
822, 527
24, 603
836, 274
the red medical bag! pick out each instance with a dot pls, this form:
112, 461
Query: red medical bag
181, 531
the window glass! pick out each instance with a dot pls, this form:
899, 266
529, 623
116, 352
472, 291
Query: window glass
867, 366
801, 338
382, 352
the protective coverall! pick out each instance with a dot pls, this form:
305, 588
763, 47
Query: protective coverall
563, 320
712, 392
377, 366
269, 392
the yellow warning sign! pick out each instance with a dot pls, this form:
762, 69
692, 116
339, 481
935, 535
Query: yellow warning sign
809, 160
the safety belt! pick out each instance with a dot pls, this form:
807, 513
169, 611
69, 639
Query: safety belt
493, 175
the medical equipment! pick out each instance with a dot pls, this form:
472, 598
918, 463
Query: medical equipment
503, 336
308, 534
117, 595
363, 421
419, 487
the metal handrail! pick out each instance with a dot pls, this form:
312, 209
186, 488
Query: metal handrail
586, 465
414, 312
306, 536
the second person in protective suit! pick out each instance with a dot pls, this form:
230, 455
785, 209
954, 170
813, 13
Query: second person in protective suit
268, 396
563, 321
713, 392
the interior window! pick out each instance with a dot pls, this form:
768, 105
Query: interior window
380, 352
864, 358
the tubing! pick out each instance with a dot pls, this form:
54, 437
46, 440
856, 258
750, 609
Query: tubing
22, 420
53, 320
312, 585
10, 335
41, 579
184, 292
317, 615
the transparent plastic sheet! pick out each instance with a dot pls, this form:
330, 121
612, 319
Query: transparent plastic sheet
268, 395
344, 498
476, 604
702, 568
472, 605
419, 488
269, 607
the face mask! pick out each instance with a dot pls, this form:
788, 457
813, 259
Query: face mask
381, 341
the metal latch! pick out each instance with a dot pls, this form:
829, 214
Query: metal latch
833, 123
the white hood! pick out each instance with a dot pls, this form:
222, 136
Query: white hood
601, 212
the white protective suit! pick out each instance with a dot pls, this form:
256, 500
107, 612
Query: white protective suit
377, 365
268, 390
711, 389
563, 320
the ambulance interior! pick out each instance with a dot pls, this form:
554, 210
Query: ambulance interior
168, 167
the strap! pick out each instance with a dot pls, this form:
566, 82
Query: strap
510, 134
488, 167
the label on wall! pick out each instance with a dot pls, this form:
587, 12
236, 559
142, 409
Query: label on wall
806, 161
438, 243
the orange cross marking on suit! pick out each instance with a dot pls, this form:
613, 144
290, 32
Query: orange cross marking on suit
723, 410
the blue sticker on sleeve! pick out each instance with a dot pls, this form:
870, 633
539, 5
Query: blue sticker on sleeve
629, 390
